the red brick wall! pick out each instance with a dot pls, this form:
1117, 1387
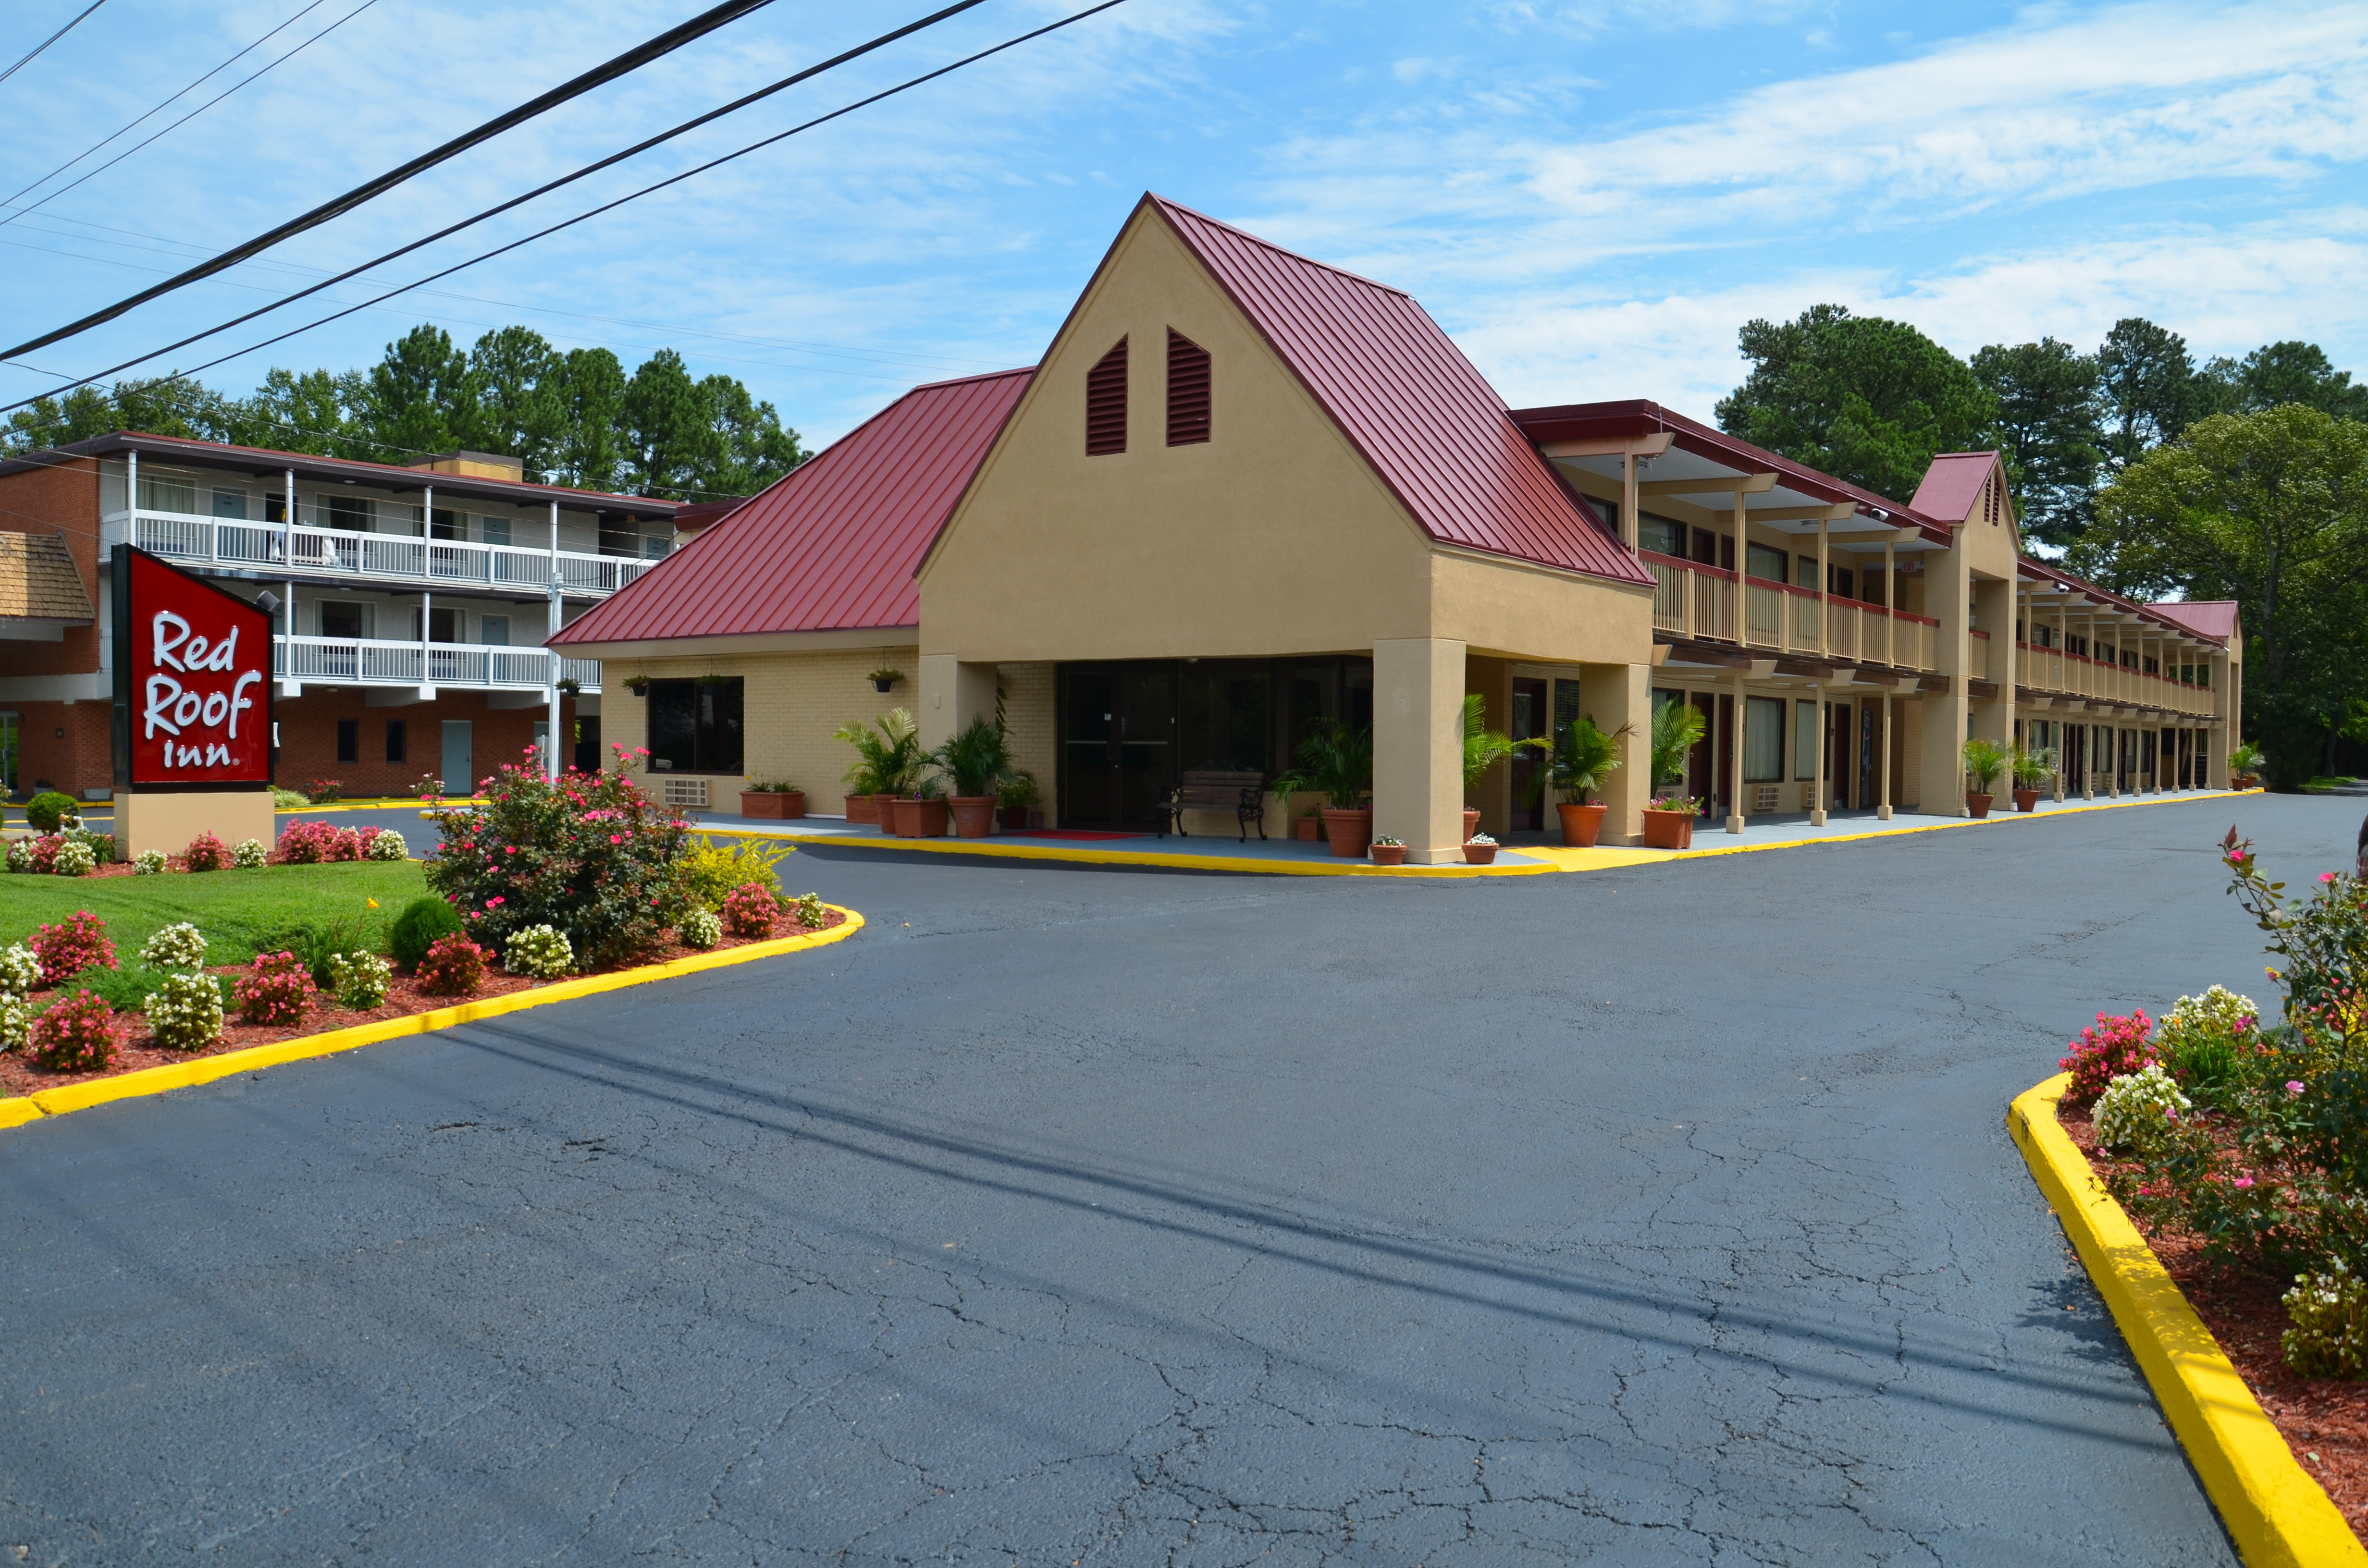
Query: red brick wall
83, 760
307, 739
53, 500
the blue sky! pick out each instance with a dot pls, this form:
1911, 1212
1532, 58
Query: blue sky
1590, 197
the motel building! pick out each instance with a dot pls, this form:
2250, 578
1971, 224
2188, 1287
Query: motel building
411, 604
1246, 490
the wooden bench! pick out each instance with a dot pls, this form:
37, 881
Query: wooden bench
1211, 789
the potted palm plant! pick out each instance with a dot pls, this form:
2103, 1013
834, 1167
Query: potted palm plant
1018, 795
976, 759
2244, 766
1985, 760
888, 762
921, 811
1483, 748
1678, 728
1337, 763
777, 801
2031, 769
1584, 758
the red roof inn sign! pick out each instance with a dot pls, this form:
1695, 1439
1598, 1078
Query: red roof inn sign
192, 681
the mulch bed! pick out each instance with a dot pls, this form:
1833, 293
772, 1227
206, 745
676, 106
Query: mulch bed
2323, 1420
19, 1076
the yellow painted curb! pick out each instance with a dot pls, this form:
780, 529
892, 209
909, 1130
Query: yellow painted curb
206, 1068
2279, 1516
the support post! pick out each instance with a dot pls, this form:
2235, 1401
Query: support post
1882, 810
1734, 817
1630, 527
1617, 694
1825, 620
1419, 746
1817, 811
1890, 623
952, 694
552, 616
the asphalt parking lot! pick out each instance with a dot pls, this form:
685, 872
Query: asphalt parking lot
1064, 1215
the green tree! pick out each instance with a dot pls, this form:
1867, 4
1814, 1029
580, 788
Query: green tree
420, 397
2047, 395
518, 406
162, 406
2269, 509
589, 391
2151, 391
703, 438
314, 411
2279, 373
1866, 400
756, 449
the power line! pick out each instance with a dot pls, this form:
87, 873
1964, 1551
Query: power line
217, 71
631, 60
642, 146
184, 119
188, 117
53, 38
579, 218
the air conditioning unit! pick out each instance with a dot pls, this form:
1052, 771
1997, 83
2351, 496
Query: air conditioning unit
691, 792
1767, 802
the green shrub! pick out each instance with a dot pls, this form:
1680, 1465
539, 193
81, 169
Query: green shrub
709, 871
149, 863
186, 1012
2137, 1109
2330, 1314
750, 911
539, 951
415, 929
178, 948
811, 913
700, 928
283, 798
206, 853
275, 988
588, 855
50, 808
360, 981
454, 966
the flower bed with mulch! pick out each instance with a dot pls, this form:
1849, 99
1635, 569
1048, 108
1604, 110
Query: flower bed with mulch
2323, 1420
19, 1076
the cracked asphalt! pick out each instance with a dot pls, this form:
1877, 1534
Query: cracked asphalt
1071, 1216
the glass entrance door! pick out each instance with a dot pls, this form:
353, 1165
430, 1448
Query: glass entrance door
1528, 722
1118, 743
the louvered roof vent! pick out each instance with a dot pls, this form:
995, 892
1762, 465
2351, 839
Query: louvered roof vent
1187, 391
1106, 403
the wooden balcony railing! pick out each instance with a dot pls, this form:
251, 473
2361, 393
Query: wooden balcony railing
2072, 675
1692, 600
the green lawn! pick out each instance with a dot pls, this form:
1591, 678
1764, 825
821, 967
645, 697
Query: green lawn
236, 910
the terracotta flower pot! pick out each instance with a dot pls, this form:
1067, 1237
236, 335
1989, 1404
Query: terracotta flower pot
973, 815
1470, 822
920, 818
1479, 854
1389, 854
1581, 826
1015, 818
862, 809
1977, 805
884, 809
773, 804
1668, 830
1306, 830
2026, 800
1350, 831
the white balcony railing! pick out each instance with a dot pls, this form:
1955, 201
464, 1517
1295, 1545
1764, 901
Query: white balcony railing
372, 557
346, 661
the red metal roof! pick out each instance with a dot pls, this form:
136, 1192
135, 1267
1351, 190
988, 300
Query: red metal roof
833, 543
2211, 619
1420, 412
2215, 620
1953, 482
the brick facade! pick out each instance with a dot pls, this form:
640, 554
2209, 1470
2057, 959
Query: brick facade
64, 500
79, 761
307, 739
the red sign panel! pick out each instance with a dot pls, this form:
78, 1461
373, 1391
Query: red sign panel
200, 663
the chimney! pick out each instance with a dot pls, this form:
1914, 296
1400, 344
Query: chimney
475, 465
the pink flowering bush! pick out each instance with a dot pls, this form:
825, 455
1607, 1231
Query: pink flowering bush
275, 988
76, 943
590, 855
750, 911
2106, 1050
317, 843
38, 855
206, 853
78, 1034
454, 966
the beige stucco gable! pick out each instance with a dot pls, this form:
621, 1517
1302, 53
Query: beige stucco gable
1273, 537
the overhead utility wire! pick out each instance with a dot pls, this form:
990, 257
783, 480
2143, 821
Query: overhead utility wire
161, 107
53, 38
595, 212
688, 125
631, 60
93, 174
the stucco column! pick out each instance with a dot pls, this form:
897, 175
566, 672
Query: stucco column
1419, 746
1882, 810
1817, 692
1948, 599
953, 693
1614, 695
1734, 817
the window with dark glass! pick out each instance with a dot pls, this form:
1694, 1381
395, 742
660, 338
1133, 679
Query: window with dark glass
695, 725
349, 514
1765, 561
1763, 740
349, 740
1660, 535
396, 741
449, 525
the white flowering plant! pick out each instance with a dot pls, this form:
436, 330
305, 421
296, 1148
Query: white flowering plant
700, 928
20, 970
15, 1021
251, 855
1483, 840
149, 863
74, 858
2136, 1108
178, 949
386, 845
185, 1011
360, 980
541, 951
2329, 1316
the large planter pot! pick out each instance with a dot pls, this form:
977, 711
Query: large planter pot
1350, 831
1389, 854
1977, 805
2026, 800
864, 809
884, 809
920, 818
774, 805
1306, 830
1471, 823
1015, 818
1668, 830
973, 815
1581, 826
1479, 854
